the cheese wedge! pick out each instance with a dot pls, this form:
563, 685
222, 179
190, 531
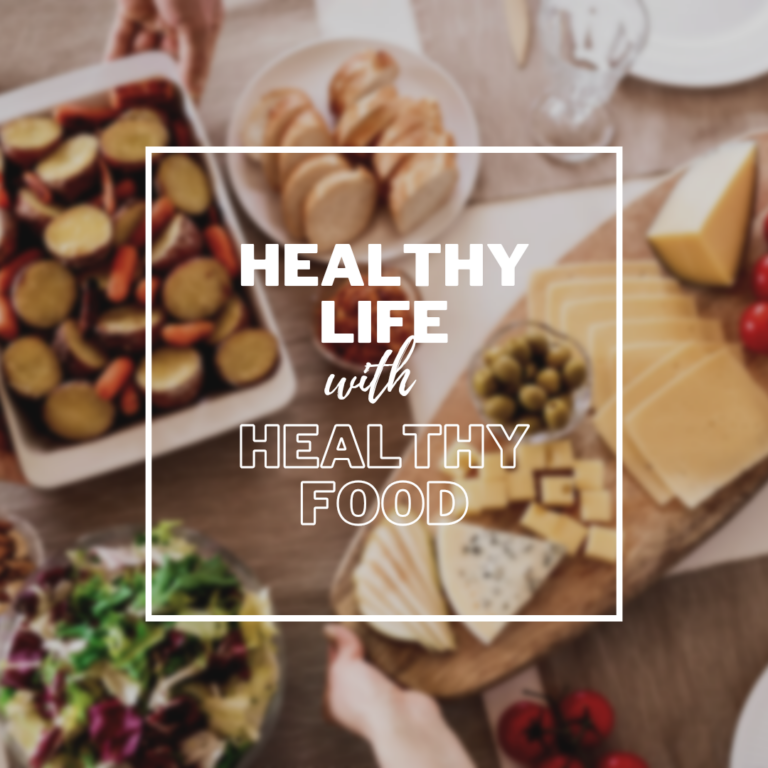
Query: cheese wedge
701, 230
704, 429
491, 573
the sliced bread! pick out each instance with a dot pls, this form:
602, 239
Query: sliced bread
411, 114
421, 185
299, 184
386, 165
307, 129
252, 134
364, 120
362, 73
279, 118
339, 207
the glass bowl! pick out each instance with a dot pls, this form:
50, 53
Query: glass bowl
126, 534
581, 396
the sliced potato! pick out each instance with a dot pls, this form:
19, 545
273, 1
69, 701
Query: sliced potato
177, 242
122, 328
28, 139
186, 183
43, 294
197, 289
232, 318
31, 209
126, 219
124, 142
177, 376
80, 236
247, 356
8, 235
142, 113
79, 356
73, 411
72, 168
30, 367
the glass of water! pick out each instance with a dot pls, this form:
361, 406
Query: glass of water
589, 45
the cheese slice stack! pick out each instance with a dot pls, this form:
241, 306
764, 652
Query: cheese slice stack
488, 572
397, 576
701, 230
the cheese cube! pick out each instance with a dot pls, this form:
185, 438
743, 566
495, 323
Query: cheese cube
558, 491
596, 507
601, 543
589, 474
460, 460
531, 456
484, 496
554, 526
560, 455
520, 486
492, 470
701, 229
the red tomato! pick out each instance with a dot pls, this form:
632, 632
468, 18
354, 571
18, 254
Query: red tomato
587, 717
621, 760
760, 278
754, 328
526, 731
561, 761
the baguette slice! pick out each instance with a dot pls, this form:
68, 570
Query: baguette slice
279, 118
339, 207
307, 129
298, 186
411, 114
421, 185
364, 72
256, 123
364, 120
386, 165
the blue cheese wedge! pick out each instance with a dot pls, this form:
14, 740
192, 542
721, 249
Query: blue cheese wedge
486, 572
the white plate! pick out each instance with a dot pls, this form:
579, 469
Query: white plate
705, 43
311, 68
49, 464
750, 743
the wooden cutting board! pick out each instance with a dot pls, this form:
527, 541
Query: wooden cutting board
654, 537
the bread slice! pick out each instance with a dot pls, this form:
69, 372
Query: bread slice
364, 72
339, 207
411, 114
307, 129
421, 185
386, 165
279, 118
299, 184
362, 122
252, 134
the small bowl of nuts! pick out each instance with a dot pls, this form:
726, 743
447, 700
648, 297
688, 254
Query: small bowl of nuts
528, 373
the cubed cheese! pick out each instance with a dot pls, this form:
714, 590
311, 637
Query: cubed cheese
460, 460
558, 490
555, 527
589, 474
601, 543
484, 496
560, 454
520, 486
531, 456
595, 506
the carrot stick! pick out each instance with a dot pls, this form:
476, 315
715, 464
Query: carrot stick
73, 117
108, 200
38, 186
121, 274
125, 189
223, 250
162, 212
129, 400
9, 271
141, 290
9, 325
114, 377
147, 92
186, 334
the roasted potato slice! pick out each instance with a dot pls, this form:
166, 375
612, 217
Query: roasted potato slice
186, 183
73, 411
122, 328
32, 210
142, 113
247, 356
178, 241
72, 168
8, 235
123, 143
28, 139
31, 368
80, 236
177, 376
127, 218
79, 356
43, 294
232, 317
197, 289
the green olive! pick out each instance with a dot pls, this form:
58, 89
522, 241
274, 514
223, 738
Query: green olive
574, 373
518, 348
531, 372
558, 356
491, 354
538, 342
557, 412
507, 370
535, 424
549, 378
484, 382
532, 397
499, 407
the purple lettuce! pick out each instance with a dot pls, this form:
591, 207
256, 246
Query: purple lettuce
24, 659
115, 730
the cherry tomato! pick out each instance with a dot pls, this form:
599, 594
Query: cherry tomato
621, 760
526, 731
754, 328
587, 717
760, 278
561, 761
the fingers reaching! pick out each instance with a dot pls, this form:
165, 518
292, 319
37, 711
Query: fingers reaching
121, 38
346, 644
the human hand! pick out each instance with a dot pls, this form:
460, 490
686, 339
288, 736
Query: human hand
186, 29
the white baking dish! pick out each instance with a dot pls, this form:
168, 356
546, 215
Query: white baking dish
47, 463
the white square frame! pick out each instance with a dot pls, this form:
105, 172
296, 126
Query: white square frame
359, 618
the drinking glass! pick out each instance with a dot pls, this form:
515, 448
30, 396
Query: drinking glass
589, 45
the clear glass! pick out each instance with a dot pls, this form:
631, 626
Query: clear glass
589, 45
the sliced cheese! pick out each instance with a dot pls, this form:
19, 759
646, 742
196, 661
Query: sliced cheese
701, 230
554, 526
601, 544
595, 506
487, 572
558, 491
703, 429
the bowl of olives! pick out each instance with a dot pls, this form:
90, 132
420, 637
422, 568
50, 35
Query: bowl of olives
528, 373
